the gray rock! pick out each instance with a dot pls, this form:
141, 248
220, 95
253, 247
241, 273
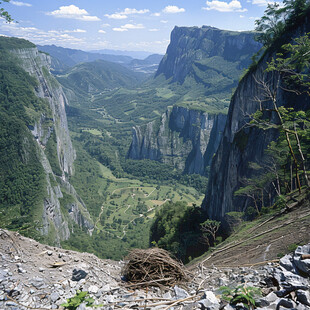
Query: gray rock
271, 297
222, 281
180, 293
287, 262
302, 264
303, 297
78, 275
38, 283
82, 307
93, 289
209, 301
21, 270
262, 303
54, 296
290, 279
109, 298
167, 295
286, 303
301, 307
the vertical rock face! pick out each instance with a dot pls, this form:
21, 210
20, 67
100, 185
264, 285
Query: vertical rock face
193, 44
37, 64
243, 144
53, 218
184, 138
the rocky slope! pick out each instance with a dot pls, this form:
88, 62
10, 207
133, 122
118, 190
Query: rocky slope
242, 144
35, 276
184, 138
50, 131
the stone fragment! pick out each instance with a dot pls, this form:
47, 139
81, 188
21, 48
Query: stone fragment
93, 289
180, 293
82, 307
303, 297
78, 275
38, 283
271, 297
287, 262
286, 303
303, 265
167, 295
54, 296
209, 301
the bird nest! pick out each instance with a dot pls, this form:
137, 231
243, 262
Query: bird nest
153, 267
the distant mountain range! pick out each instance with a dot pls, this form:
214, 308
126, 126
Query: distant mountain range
132, 54
65, 58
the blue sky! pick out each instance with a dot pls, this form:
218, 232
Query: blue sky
134, 25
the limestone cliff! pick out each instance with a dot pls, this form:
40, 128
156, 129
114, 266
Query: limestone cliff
184, 138
243, 144
190, 47
52, 125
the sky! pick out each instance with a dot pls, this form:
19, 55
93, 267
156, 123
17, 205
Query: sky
132, 25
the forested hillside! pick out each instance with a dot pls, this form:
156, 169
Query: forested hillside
36, 151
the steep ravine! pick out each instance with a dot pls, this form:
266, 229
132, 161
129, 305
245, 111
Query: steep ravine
184, 138
55, 220
243, 144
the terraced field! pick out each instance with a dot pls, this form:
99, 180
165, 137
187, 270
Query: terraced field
128, 203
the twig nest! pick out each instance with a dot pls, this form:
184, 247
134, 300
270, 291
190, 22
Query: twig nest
153, 267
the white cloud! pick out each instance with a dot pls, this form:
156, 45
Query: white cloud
241, 16
39, 36
129, 26
221, 6
153, 29
156, 14
172, 9
128, 11
132, 26
73, 12
116, 16
18, 3
105, 25
164, 21
120, 29
261, 2
76, 31
101, 31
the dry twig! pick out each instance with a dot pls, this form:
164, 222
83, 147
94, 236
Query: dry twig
153, 266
